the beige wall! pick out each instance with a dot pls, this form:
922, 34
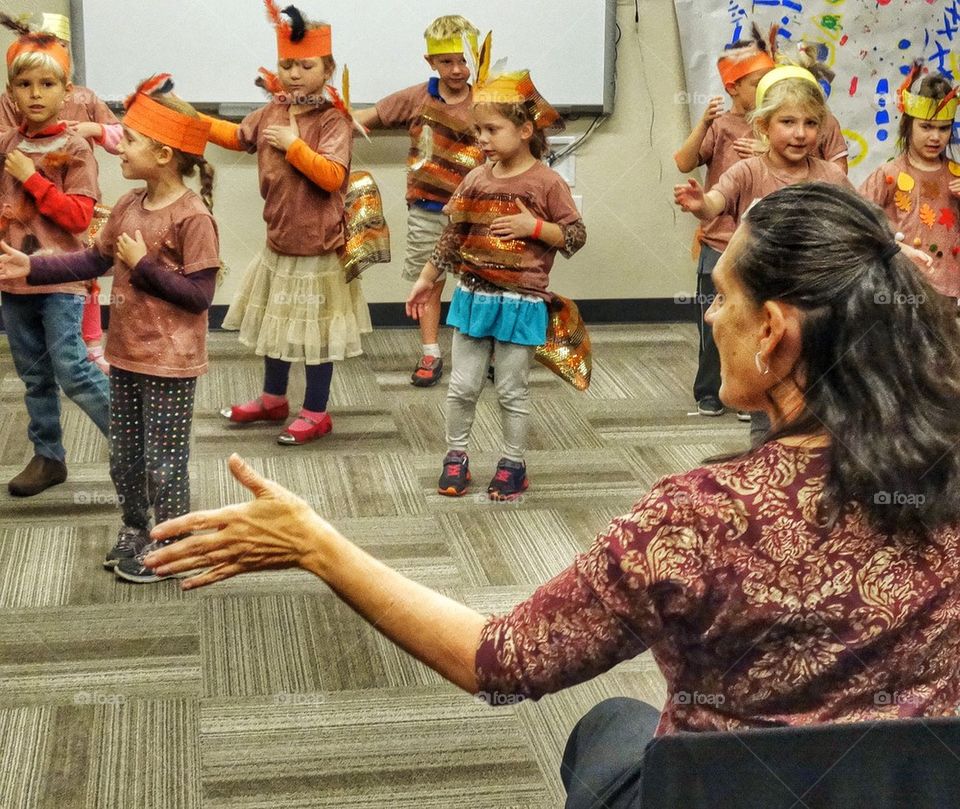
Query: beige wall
638, 241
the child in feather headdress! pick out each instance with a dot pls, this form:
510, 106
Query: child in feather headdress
87, 116
720, 139
48, 188
294, 305
161, 244
443, 149
919, 190
508, 220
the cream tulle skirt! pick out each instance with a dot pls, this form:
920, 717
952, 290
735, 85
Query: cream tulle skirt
299, 309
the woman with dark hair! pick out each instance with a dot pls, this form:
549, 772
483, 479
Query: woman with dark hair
802, 582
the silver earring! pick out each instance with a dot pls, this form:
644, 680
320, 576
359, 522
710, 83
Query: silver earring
760, 367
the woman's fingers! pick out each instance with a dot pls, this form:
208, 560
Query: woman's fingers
215, 574
194, 522
248, 477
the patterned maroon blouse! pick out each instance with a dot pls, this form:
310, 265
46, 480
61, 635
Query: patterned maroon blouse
756, 615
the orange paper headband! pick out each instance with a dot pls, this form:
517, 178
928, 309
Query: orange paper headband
44, 43
167, 126
315, 43
731, 71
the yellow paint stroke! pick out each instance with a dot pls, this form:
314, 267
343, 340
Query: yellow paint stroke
834, 30
857, 138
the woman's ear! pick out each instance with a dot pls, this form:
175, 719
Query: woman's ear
781, 339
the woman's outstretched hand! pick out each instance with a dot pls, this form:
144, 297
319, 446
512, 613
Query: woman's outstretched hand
275, 530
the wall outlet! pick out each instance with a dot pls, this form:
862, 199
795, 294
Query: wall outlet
566, 168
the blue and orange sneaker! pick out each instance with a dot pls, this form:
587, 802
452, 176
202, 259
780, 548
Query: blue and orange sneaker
455, 475
509, 481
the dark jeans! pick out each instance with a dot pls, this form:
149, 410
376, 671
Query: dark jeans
49, 354
707, 382
603, 759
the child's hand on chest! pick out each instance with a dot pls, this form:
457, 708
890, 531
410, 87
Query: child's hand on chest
130, 249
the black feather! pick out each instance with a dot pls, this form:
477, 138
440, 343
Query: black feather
298, 25
758, 38
19, 28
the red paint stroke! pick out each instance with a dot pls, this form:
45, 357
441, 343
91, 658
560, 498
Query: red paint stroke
853, 85
843, 39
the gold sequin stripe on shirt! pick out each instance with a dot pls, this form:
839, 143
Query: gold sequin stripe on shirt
481, 210
453, 154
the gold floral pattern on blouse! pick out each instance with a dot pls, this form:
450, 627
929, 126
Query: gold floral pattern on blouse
755, 612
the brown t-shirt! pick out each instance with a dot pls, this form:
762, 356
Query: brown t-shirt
832, 145
919, 205
302, 219
754, 178
81, 104
67, 161
453, 149
717, 154
519, 264
147, 334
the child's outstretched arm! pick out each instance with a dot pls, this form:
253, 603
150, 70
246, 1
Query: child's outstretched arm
320, 170
107, 135
691, 197
72, 212
58, 268
687, 157
225, 134
368, 118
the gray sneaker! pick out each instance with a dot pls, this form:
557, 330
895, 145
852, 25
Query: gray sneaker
133, 569
130, 541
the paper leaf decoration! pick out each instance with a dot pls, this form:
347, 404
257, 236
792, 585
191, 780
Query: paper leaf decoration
902, 201
927, 215
905, 182
947, 218
954, 168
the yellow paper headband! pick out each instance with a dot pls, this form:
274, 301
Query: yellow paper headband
453, 44
926, 108
779, 74
56, 24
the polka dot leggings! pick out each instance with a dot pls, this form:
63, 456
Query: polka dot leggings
150, 419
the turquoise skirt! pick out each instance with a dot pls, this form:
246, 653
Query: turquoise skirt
506, 316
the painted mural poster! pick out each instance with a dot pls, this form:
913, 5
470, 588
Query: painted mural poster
869, 44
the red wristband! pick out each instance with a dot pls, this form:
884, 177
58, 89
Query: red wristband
537, 228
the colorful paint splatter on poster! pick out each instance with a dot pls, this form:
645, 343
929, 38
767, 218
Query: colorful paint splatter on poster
869, 45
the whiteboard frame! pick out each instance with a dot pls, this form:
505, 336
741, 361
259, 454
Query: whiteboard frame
231, 109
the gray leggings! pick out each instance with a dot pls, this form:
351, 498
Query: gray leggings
471, 358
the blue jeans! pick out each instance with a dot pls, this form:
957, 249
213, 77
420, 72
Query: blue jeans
47, 349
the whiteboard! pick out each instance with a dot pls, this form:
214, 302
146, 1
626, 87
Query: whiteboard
214, 47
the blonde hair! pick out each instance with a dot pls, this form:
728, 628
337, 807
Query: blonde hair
188, 163
799, 92
32, 60
450, 26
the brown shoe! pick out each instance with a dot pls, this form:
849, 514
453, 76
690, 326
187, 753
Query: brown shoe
41, 473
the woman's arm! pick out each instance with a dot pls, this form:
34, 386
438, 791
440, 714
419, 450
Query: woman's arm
278, 529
